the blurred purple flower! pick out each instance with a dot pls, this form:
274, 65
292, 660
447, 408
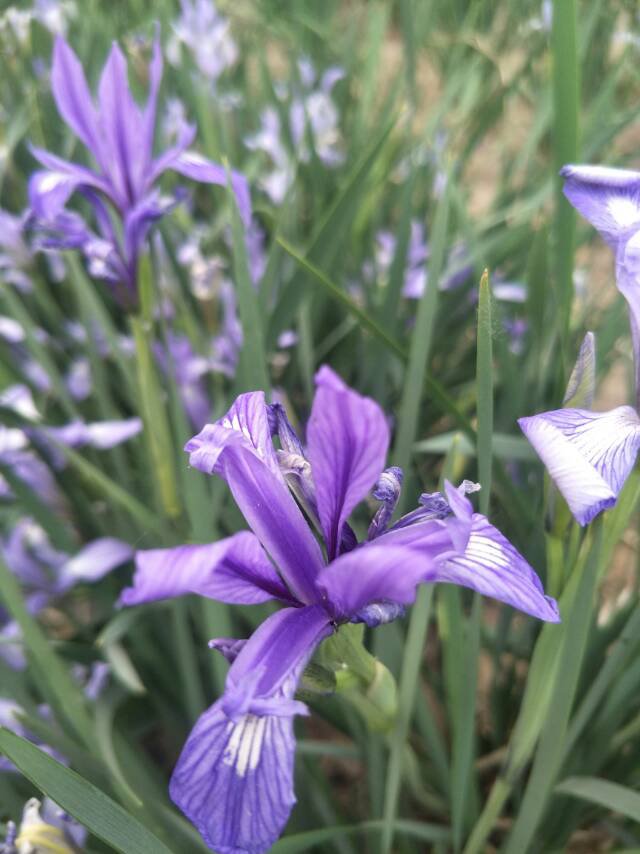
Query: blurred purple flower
119, 135
207, 36
589, 454
234, 779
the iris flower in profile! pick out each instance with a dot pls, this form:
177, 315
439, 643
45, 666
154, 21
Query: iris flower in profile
234, 779
590, 454
121, 188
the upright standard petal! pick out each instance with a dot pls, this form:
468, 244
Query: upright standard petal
121, 125
234, 778
347, 440
72, 96
238, 448
608, 198
247, 421
491, 565
275, 518
589, 455
234, 570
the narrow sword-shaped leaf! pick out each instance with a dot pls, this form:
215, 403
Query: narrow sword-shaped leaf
81, 799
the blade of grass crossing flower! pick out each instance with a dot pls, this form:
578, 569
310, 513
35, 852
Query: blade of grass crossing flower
566, 103
56, 680
253, 359
365, 320
484, 385
412, 829
32, 505
91, 807
18, 311
414, 650
611, 796
612, 666
92, 308
157, 430
549, 754
333, 230
420, 345
112, 491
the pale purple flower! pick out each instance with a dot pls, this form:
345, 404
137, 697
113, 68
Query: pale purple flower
268, 139
589, 455
15, 255
119, 134
78, 379
55, 14
234, 779
206, 34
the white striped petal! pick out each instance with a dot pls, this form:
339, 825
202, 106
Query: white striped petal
491, 565
608, 198
589, 455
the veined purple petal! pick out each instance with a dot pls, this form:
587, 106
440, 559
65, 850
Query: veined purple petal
199, 168
275, 518
72, 96
234, 779
608, 198
491, 565
387, 570
247, 422
589, 455
234, 570
94, 561
347, 439
239, 448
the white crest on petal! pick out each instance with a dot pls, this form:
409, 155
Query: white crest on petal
245, 743
623, 210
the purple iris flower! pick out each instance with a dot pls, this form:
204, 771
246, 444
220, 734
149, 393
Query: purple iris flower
234, 779
590, 454
122, 189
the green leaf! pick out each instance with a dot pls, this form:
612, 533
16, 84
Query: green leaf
421, 338
611, 796
57, 682
80, 798
409, 678
484, 385
566, 105
253, 360
304, 841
